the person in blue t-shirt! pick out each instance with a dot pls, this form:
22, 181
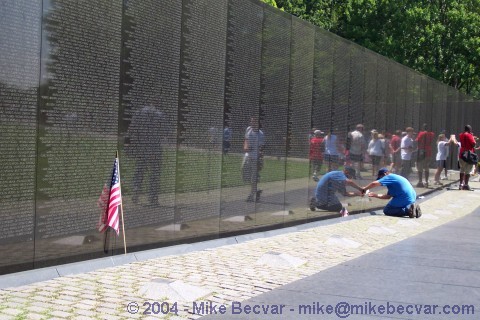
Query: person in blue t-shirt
400, 191
329, 184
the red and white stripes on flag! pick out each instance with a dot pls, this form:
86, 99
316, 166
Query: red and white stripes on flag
111, 203
115, 199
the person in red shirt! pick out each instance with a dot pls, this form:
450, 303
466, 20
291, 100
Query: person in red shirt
317, 148
424, 154
395, 142
467, 143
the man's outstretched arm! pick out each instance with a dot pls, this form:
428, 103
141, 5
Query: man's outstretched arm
371, 185
379, 195
356, 186
353, 184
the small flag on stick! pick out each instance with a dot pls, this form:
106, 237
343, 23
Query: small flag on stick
110, 201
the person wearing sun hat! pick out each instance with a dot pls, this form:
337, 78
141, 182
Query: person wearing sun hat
329, 184
400, 192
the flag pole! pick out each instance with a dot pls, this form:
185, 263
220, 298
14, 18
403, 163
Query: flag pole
121, 204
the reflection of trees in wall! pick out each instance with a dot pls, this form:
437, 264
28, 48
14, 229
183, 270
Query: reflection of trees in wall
78, 107
242, 84
322, 81
356, 88
370, 90
275, 80
341, 88
300, 88
381, 110
20, 68
400, 110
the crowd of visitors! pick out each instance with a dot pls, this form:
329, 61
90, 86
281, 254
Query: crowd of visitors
401, 152
335, 161
397, 154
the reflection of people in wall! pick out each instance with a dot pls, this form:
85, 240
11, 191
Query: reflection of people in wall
443, 149
317, 148
395, 142
145, 135
406, 147
332, 151
376, 150
424, 154
213, 136
253, 162
356, 145
227, 138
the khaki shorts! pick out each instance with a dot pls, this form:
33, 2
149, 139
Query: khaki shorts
465, 167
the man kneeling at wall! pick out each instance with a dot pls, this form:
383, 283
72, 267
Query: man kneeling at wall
329, 184
400, 191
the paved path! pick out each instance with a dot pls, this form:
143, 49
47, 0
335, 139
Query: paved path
248, 269
433, 275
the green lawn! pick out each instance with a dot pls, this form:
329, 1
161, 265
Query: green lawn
76, 164
198, 171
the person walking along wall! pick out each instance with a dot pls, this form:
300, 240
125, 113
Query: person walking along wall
467, 143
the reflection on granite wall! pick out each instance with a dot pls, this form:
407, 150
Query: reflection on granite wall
211, 105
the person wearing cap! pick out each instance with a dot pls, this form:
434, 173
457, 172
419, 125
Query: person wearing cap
317, 148
329, 184
400, 192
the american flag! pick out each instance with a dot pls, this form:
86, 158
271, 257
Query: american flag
110, 201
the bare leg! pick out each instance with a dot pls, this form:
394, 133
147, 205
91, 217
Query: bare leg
437, 175
466, 177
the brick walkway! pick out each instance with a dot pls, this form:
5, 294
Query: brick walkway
229, 273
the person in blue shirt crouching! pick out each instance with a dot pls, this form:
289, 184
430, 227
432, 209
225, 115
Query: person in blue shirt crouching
400, 191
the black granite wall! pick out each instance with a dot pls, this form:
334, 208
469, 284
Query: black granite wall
173, 86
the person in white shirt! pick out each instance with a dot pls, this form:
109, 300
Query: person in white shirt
406, 147
357, 146
333, 149
442, 154
253, 146
376, 152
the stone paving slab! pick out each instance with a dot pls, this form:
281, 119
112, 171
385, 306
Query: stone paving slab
231, 272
